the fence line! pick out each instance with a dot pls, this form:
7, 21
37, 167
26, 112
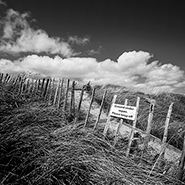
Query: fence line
56, 92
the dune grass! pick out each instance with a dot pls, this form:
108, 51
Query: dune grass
163, 100
38, 145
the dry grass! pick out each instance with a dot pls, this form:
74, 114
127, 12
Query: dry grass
39, 146
163, 101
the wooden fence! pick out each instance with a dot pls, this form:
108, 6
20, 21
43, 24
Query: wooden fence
56, 92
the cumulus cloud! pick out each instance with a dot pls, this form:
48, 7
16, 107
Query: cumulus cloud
19, 37
132, 69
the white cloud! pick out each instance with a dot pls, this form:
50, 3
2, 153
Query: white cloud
20, 37
77, 40
132, 69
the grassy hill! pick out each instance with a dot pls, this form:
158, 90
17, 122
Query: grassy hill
163, 100
40, 146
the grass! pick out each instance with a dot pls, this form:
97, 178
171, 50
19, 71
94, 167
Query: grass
163, 101
40, 146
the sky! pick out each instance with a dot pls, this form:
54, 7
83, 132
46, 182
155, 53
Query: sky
139, 44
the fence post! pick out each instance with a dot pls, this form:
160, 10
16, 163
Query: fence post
20, 86
32, 86
56, 92
92, 98
5, 78
59, 94
133, 127
101, 108
66, 95
1, 77
36, 86
9, 79
118, 128
107, 125
79, 105
181, 163
46, 89
165, 135
27, 81
51, 90
42, 85
72, 104
149, 124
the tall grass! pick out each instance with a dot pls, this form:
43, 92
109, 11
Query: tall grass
39, 146
163, 101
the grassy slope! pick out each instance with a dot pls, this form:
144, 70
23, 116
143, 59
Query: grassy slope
39, 146
163, 101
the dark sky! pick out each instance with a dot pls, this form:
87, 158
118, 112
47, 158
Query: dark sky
155, 26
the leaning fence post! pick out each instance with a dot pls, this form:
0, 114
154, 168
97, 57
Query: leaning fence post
20, 86
66, 95
79, 105
165, 135
118, 128
1, 77
37, 86
46, 89
56, 92
9, 79
133, 128
59, 93
149, 124
107, 125
42, 85
181, 163
51, 90
72, 104
92, 98
101, 108
5, 78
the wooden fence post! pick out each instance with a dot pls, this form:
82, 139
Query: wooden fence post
27, 85
66, 95
32, 86
118, 127
46, 88
51, 91
181, 163
14, 81
56, 92
107, 125
1, 77
165, 135
5, 78
88, 112
79, 105
60, 92
133, 128
101, 108
20, 86
149, 124
36, 86
9, 79
42, 85
72, 104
